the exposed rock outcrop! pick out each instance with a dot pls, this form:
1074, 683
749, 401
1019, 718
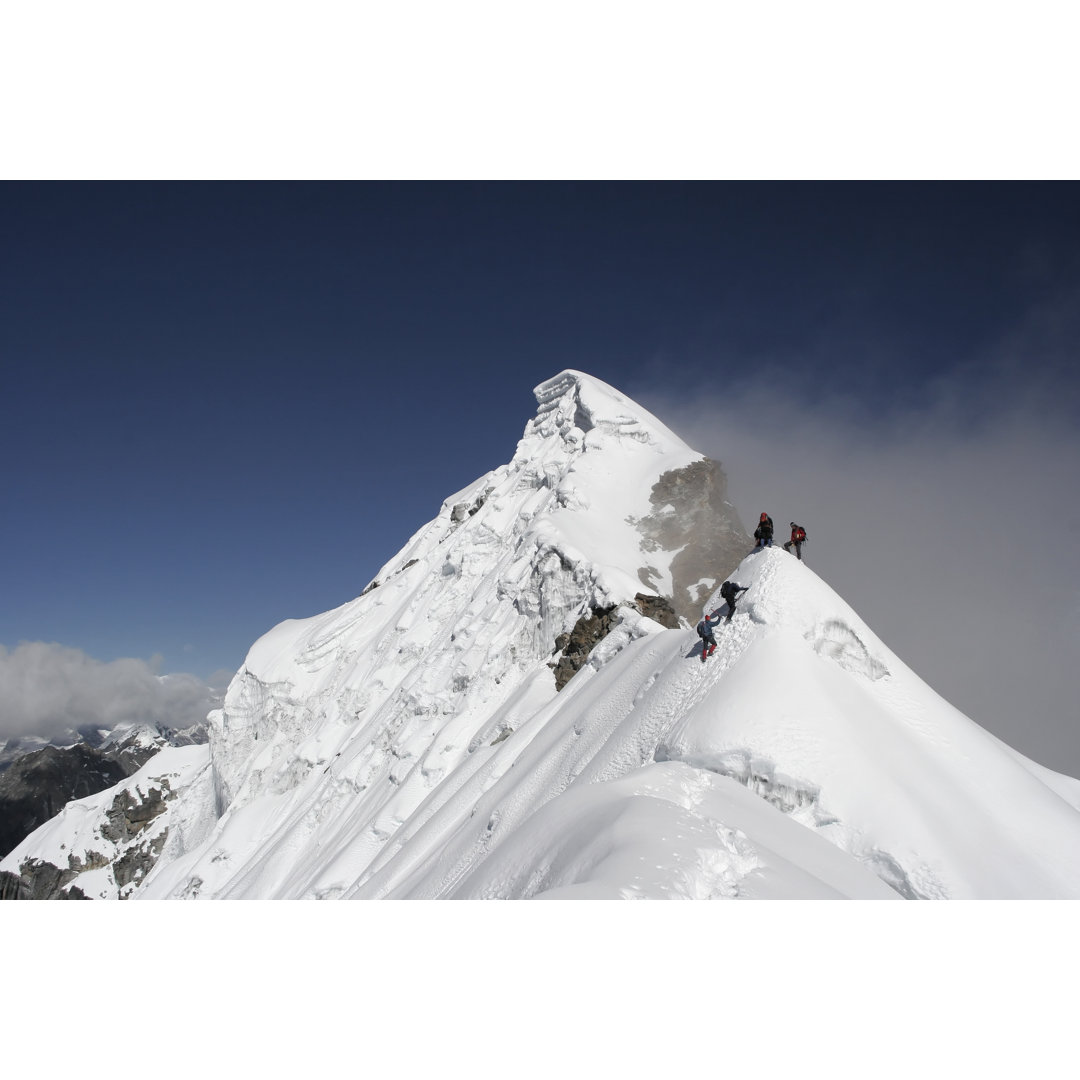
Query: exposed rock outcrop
41, 880
575, 647
592, 628
128, 815
657, 608
137, 862
127, 819
690, 511
37, 881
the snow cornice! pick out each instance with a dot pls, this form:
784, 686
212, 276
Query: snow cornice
572, 404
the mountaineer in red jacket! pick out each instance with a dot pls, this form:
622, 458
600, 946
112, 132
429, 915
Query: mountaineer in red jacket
798, 538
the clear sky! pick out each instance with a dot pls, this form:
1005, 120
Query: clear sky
227, 404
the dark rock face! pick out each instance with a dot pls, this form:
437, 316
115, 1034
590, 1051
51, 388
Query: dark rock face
39, 880
691, 512
659, 609
18, 747
128, 816
592, 628
127, 819
576, 646
133, 753
21, 745
38, 786
138, 861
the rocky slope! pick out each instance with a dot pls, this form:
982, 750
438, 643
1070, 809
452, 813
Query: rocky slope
37, 783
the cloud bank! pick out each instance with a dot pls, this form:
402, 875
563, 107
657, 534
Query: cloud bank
46, 689
947, 522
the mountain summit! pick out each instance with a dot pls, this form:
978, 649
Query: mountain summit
517, 706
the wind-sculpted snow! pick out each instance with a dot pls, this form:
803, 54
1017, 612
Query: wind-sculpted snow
412, 744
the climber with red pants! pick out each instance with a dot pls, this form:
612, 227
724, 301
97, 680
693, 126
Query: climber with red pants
705, 632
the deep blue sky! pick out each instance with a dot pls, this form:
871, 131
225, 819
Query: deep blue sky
226, 404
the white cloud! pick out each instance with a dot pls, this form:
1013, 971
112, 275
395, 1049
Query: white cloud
949, 526
47, 688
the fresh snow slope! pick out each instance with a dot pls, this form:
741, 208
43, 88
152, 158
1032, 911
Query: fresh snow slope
411, 744
639, 783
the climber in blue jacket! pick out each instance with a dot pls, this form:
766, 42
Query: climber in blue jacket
705, 632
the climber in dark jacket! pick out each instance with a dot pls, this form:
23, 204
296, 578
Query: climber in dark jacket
729, 590
763, 533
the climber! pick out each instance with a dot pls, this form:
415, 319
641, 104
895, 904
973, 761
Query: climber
798, 538
729, 590
705, 632
763, 533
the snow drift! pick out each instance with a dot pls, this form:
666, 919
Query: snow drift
413, 744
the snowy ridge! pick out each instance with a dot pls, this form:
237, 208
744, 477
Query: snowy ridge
374, 712
639, 783
411, 743
461, 616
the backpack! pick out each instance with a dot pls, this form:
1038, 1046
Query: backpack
703, 628
800, 534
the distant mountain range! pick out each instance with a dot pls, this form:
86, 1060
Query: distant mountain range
38, 777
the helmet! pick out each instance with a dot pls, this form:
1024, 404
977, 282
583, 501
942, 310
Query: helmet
764, 516
793, 525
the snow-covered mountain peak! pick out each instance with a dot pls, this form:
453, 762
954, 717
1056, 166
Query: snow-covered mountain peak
511, 709
474, 609
586, 412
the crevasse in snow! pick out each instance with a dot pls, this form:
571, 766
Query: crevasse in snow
411, 743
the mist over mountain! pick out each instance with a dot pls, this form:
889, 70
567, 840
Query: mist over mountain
50, 692
518, 706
